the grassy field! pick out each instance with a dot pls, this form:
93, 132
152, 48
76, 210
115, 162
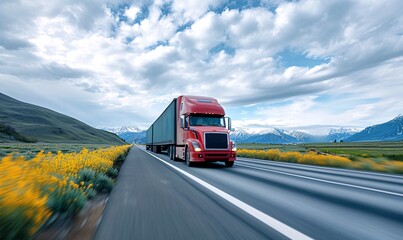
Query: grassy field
29, 150
387, 150
373, 156
281, 147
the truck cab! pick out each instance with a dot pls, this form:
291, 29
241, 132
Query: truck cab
203, 131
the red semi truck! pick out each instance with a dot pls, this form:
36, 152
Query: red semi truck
194, 129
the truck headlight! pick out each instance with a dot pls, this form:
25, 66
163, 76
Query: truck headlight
196, 146
233, 146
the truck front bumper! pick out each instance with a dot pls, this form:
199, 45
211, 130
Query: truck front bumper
213, 156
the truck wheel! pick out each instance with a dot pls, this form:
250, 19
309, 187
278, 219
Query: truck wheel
229, 163
187, 158
174, 153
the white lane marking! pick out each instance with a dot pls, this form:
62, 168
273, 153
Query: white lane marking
266, 219
304, 167
322, 180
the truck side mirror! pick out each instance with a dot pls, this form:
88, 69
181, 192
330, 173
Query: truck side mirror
228, 123
184, 122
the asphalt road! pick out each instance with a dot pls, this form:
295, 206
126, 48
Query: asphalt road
255, 199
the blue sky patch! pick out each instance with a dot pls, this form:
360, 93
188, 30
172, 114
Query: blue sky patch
244, 4
223, 47
159, 43
289, 58
119, 11
143, 14
184, 26
166, 9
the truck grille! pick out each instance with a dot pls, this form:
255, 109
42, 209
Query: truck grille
216, 141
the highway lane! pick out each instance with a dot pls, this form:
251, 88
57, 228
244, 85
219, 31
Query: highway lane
322, 203
152, 201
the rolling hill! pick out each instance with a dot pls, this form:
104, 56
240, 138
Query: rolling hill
26, 122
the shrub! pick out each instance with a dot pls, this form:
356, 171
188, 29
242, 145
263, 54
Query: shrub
394, 167
90, 193
86, 175
103, 183
291, 157
67, 200
22, 205
394, 156
112, 172
14, 224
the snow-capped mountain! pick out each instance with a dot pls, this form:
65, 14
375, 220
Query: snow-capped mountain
130, 134
124, 129
339, 134
270, 135
240, 135
301, 136
134, 137
389, 131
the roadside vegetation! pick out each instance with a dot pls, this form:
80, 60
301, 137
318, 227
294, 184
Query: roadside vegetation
381, 157
29, 150
52, 185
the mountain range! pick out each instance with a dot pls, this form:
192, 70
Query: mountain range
279, 136
24, 122
389, 131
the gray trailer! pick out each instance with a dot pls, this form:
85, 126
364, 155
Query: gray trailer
162, 133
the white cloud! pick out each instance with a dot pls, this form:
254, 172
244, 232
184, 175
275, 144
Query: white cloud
132, 12
139, 66
191, 10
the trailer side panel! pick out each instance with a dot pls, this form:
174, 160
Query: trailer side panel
164, 127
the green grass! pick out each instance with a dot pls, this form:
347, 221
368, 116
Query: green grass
281, 147
29, 150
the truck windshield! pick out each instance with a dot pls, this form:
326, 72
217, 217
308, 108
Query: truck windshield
207, 120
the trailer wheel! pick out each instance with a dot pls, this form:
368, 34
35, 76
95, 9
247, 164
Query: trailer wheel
229, 163
187, 158
171, 152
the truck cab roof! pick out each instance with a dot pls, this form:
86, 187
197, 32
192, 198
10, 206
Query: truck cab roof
200, 105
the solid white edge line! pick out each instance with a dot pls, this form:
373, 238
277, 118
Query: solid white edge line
322, 180
266, 219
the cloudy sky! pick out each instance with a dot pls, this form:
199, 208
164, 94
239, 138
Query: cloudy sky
306, 65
